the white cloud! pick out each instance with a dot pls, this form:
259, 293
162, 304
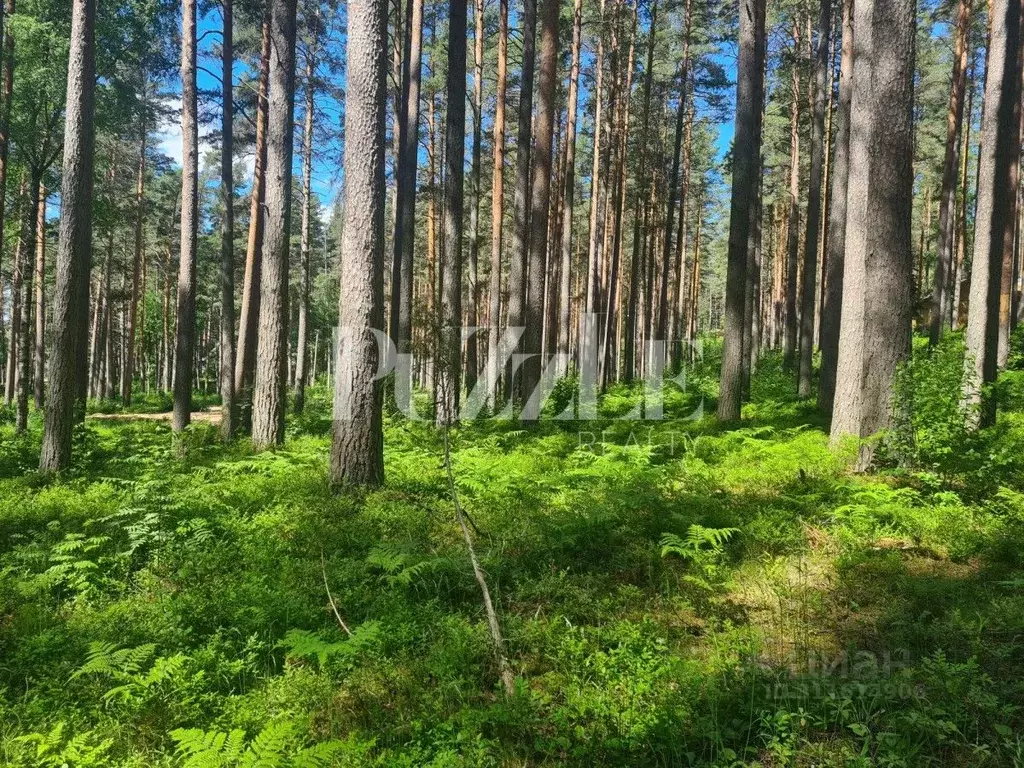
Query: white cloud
168, 135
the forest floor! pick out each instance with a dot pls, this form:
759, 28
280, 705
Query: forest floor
672, 593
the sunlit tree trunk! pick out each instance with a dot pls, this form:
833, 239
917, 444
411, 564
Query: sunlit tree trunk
642, 191
357, 449
942, 294
568, 192
40, 282
878, 284
248, 326
993, 220
74, 252
544, 131
793, 241
5, 123
301, 350
497, 200
128, 375
268, 399
229, 409
472, 345
29, 232
1007, 280
184, 340
405, 215
814, 196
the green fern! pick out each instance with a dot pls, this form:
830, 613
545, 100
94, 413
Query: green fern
400, 568
278, 745
703, 547
52, 750
698, 540
301, 643
109, 659
125, 666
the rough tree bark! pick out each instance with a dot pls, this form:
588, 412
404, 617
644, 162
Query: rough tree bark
544, 131
746, 159
405, 194
248, 326
128, 375
74, 251
472, 344
793, 242
517, 288
357, 450
27, 244
642, 190
449, 364
840, 169
875, 328
5, 124
39, 375
814, 196
666, 328
268, 399
1006, 290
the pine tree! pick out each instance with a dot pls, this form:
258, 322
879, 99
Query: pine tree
268, 402
746, 161
74, 253
357, 449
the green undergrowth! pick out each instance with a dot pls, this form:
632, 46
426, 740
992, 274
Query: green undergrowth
671, 592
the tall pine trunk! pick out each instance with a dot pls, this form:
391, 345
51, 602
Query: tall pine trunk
814, 197
5, 125
449, 364
301, 350
229, 408
993, 222
642, 189
791, 338
497, 205
268, 399
128, 375
832, 291
74, 250
875, 329
248, 326
184, 339
357, 449
40, 282
29, 232
568, 192
517, 288
405, 196
746, 162
472, 344
544, 131
942, 292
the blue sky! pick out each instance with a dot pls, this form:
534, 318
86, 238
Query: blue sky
327, 176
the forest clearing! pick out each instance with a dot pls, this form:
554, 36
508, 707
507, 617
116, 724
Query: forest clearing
673, 594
